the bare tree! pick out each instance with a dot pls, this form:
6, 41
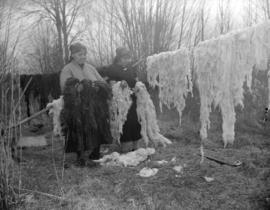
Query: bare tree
63, 14
265, 5
44, 56
224, 17
8, 110
183, 17
145, 27
190, 12
201, 22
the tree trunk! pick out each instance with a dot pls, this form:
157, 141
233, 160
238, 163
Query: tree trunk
65, 33
182, 24
58, 23
268, 8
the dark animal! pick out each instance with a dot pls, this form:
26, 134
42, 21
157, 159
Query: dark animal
42, 86
85, 116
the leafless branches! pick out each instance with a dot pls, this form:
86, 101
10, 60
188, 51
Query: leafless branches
63, 15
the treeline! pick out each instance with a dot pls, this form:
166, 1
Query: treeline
144, 26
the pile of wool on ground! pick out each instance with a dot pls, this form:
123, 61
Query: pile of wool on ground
222, 66
119, 106
171, 72
147, 117
56, 107
129, 159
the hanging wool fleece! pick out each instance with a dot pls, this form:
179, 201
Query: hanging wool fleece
147, 117
222, 66
119, 106
85, 116
171, 72
56, 107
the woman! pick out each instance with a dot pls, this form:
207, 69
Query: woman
120, 70
77, 67
77, 70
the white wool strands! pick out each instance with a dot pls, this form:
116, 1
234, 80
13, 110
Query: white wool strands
56, 107
222, 66
119, 106
171, 72
147, 117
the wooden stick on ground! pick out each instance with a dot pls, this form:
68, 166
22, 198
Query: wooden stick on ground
45, 194
221, 160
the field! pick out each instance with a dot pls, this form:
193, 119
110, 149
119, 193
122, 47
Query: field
47, 185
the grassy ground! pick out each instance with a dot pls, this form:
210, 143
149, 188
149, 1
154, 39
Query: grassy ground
244, 187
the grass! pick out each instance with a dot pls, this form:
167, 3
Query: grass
244, 187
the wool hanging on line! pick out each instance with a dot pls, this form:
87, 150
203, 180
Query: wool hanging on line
147, 117
171, 72
222, 65
119, 106
56, 107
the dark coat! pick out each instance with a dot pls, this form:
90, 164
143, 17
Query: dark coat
115, 72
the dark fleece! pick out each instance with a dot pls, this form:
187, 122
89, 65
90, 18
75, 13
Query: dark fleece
85, 116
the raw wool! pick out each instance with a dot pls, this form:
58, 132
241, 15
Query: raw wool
102, 97
147, 117
171, 72
222, 66
56, 107
119, 106
148, 172
129, 159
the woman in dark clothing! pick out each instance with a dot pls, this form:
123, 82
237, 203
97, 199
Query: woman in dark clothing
118, 71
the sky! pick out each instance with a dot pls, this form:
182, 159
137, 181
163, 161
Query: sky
237, 9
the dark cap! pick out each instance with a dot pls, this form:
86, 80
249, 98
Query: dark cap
77, 47
122, 52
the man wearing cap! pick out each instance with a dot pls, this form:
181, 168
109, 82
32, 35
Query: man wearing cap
122, 70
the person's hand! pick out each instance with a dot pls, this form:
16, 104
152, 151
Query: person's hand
79, 87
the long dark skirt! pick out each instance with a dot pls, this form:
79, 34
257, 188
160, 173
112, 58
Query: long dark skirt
132, 127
